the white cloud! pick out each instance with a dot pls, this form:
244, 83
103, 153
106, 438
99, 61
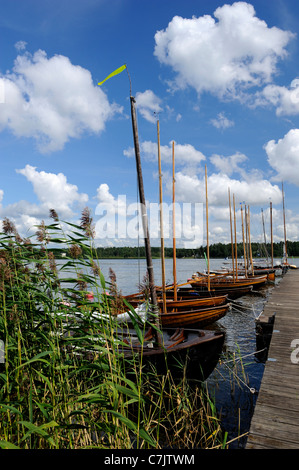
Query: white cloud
224, 57
185, 154
52, 101
20, 45
229, 165
109, 202
283, 156
54, 192
148, 104
254, 192
222, 122
285, 99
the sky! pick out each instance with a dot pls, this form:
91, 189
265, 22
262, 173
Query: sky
220, 79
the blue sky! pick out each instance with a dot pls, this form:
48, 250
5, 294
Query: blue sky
221, 77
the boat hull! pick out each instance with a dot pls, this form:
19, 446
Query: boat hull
197, 355
195, 318
222, 282
189, 302
231, 293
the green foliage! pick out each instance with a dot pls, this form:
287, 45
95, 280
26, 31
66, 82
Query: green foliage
65, 383
217, 250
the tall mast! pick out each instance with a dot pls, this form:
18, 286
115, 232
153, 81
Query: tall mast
207, 222
236, 248
173, 227
161, 221
244, 246
271, 227
149, 261
246, 238
284, 226
264, 231
231, 234
249, 240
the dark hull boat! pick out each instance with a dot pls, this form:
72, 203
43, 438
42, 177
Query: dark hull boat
194, 349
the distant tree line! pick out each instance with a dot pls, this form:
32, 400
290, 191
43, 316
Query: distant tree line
217, 250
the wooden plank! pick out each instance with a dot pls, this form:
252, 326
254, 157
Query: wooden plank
265, 442
275, 422
276, 414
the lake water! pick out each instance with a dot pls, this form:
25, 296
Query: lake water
234, 400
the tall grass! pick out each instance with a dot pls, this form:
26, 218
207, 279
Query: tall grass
65, 383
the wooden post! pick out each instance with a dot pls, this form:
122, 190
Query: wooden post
173, 227
207, 222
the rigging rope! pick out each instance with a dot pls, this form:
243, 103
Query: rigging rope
251, 389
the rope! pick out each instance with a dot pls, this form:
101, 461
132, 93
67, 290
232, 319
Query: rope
251, 389
251, 307
246, 355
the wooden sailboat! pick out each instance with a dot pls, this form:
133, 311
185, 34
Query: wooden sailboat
221, 281
198, 311
183, 302
233, 279
165, 343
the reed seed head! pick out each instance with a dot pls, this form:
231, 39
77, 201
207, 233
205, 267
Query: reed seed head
86, 223
53, 215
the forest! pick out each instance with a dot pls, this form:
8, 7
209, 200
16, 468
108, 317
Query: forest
217, 250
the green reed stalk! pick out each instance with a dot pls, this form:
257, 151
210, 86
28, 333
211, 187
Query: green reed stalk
65, 383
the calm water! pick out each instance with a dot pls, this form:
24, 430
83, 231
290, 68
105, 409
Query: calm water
234, 400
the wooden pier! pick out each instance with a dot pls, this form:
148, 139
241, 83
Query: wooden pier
275, 423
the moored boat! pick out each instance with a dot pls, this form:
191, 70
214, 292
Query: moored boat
195, 349
222, 281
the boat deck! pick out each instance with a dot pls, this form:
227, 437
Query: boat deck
275, 423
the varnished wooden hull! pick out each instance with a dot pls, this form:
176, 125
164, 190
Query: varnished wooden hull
221, 282
194, 318
191, 302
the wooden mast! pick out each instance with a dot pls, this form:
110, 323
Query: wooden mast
161, 221
149, 261
271, 228
249, 240
284, 227
207, 223
246, 239
173, 227
244, 245
231, 234
264, 231
235, 228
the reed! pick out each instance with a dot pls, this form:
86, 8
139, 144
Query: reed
64, 383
